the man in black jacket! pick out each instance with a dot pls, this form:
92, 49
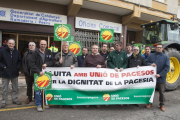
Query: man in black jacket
38, 60
82, 57
136, 60
10, 62
29, 77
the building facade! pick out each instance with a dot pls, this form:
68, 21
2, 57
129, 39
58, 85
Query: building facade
33, 20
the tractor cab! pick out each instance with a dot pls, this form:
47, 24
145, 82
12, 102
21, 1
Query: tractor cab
160, 31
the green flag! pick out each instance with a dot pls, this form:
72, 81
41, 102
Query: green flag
76, 48
58, 32
107, 35
43, 82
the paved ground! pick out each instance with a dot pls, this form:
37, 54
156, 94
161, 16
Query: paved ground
114, 112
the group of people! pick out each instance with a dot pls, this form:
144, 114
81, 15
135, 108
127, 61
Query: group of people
36, 59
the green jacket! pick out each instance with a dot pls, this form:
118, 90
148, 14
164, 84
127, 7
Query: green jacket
116, 60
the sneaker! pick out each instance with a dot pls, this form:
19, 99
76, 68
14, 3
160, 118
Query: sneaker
28, 101
3, 105
17, 102
149, 105
162, 108
39, 109
46, 106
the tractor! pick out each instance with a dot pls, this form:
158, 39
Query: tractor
166, 32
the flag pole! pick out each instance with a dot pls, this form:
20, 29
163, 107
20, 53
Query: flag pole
61, 41
43, 99
98, 38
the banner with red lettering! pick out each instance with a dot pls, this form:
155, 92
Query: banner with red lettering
100, 86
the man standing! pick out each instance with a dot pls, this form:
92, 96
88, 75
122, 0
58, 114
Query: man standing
104, 51
68, 59
117, 59
4, 44
38, 60
53, 49
82, 57
111, 49
162, 62
147, 52
10, 62
136, 60
94, 60
28, 76
129, 50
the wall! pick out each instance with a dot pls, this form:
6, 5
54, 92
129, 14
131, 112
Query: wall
92, 14
147, 3
138, 38
172, 6
159, 6
35, 6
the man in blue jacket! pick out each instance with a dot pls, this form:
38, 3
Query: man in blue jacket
82, 57
10, 62
162, 62
147, 52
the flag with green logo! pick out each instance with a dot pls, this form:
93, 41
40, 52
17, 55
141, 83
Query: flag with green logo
107, 35
42, 82
62, 32
76, 48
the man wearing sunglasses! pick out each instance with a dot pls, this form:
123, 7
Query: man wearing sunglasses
161, 61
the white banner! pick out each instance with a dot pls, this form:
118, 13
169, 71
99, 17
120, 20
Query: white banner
102, 78
92, 24
25, 16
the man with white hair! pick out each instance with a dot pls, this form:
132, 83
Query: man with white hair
28, 76
136, 60
10, 63
68, 59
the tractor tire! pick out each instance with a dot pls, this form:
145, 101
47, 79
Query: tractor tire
173, 76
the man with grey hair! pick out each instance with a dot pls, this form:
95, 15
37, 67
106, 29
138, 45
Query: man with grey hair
68, 59
27, 72
136, 60
10, 62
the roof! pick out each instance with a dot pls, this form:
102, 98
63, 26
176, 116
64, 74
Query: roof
160, 21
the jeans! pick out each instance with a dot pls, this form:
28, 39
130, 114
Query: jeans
38, 98
14, 93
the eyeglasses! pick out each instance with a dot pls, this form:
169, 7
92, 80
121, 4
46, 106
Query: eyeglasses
135, 49
31, 45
